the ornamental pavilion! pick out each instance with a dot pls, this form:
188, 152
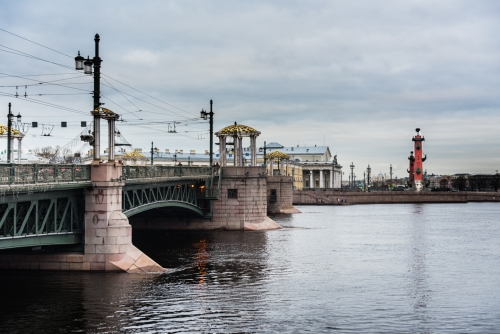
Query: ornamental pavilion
237, 132
280, 157
14, 134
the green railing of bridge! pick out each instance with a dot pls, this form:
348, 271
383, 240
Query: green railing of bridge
13, 174
146, 172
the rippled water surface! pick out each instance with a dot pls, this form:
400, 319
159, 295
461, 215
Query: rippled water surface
409, 268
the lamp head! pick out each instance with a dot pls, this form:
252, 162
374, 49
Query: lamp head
79, 62
87, 66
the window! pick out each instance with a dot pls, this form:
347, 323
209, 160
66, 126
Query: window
232, 193
273, 196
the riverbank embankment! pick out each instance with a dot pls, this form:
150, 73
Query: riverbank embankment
328, 197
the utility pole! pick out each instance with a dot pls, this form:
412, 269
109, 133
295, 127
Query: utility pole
391, 176
86, 66
352, 174
9, 136
265, 157
364, 181
211, 133
210, 115
152, 151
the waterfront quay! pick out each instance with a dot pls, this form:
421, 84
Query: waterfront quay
329, 197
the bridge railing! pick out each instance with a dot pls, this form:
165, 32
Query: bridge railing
212, 191
12, 174
145, 172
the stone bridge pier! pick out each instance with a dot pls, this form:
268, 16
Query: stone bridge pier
108, 234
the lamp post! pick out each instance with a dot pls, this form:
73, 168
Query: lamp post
86, 66
333, 175
9, 134
391, 177
364, 180
204, 115
265, 158
153, 149
352, 174
368, 172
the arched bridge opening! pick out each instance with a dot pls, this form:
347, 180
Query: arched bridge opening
187, 195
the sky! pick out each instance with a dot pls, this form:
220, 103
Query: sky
357, 76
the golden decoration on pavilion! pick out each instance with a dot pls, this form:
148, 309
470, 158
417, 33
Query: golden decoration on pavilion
277, 155
4, 129
237, 129
133, 155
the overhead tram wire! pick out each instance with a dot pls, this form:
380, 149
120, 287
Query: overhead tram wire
46, 82
148, 95
27, 55
20, 53
170, 111
39, 82
38, 75
47, 104
8, 32
17, 52
130, 112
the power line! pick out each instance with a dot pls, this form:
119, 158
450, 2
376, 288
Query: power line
8, 32
39, 75
42, 82
170, 111
45, 82
27, 55
28, 99
147, 94
130, 112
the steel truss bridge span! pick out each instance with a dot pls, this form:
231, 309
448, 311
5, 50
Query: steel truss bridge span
45, 204
184, 194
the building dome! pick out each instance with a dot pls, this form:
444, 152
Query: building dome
237, 130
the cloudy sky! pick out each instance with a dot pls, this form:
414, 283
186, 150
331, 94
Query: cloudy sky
358, 76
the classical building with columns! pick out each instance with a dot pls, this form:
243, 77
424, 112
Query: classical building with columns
317, 168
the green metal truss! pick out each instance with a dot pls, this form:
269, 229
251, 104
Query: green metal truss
185, 194
55, 217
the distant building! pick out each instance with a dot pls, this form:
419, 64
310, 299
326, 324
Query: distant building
312, 164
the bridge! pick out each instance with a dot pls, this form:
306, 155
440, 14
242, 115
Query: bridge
45, 204
85, 210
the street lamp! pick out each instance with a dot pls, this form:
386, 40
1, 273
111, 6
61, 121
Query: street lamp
265, 158
364, 180
86, 66
204, 115
333, 174
352, 174
369, 173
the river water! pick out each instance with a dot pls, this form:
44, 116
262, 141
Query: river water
406, 268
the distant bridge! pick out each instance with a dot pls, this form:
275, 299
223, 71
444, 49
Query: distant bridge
45, 204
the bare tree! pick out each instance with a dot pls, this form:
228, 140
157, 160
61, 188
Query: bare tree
443, 183
56, 155
460, 183
495, 182
48, 154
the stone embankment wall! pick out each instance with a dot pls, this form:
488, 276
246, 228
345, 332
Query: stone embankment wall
329, 197
280, 194
246, 209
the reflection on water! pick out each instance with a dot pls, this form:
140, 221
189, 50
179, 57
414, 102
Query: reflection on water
376, 268
201, 259
418, 289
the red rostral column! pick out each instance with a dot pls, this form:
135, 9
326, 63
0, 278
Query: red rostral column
419, 159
